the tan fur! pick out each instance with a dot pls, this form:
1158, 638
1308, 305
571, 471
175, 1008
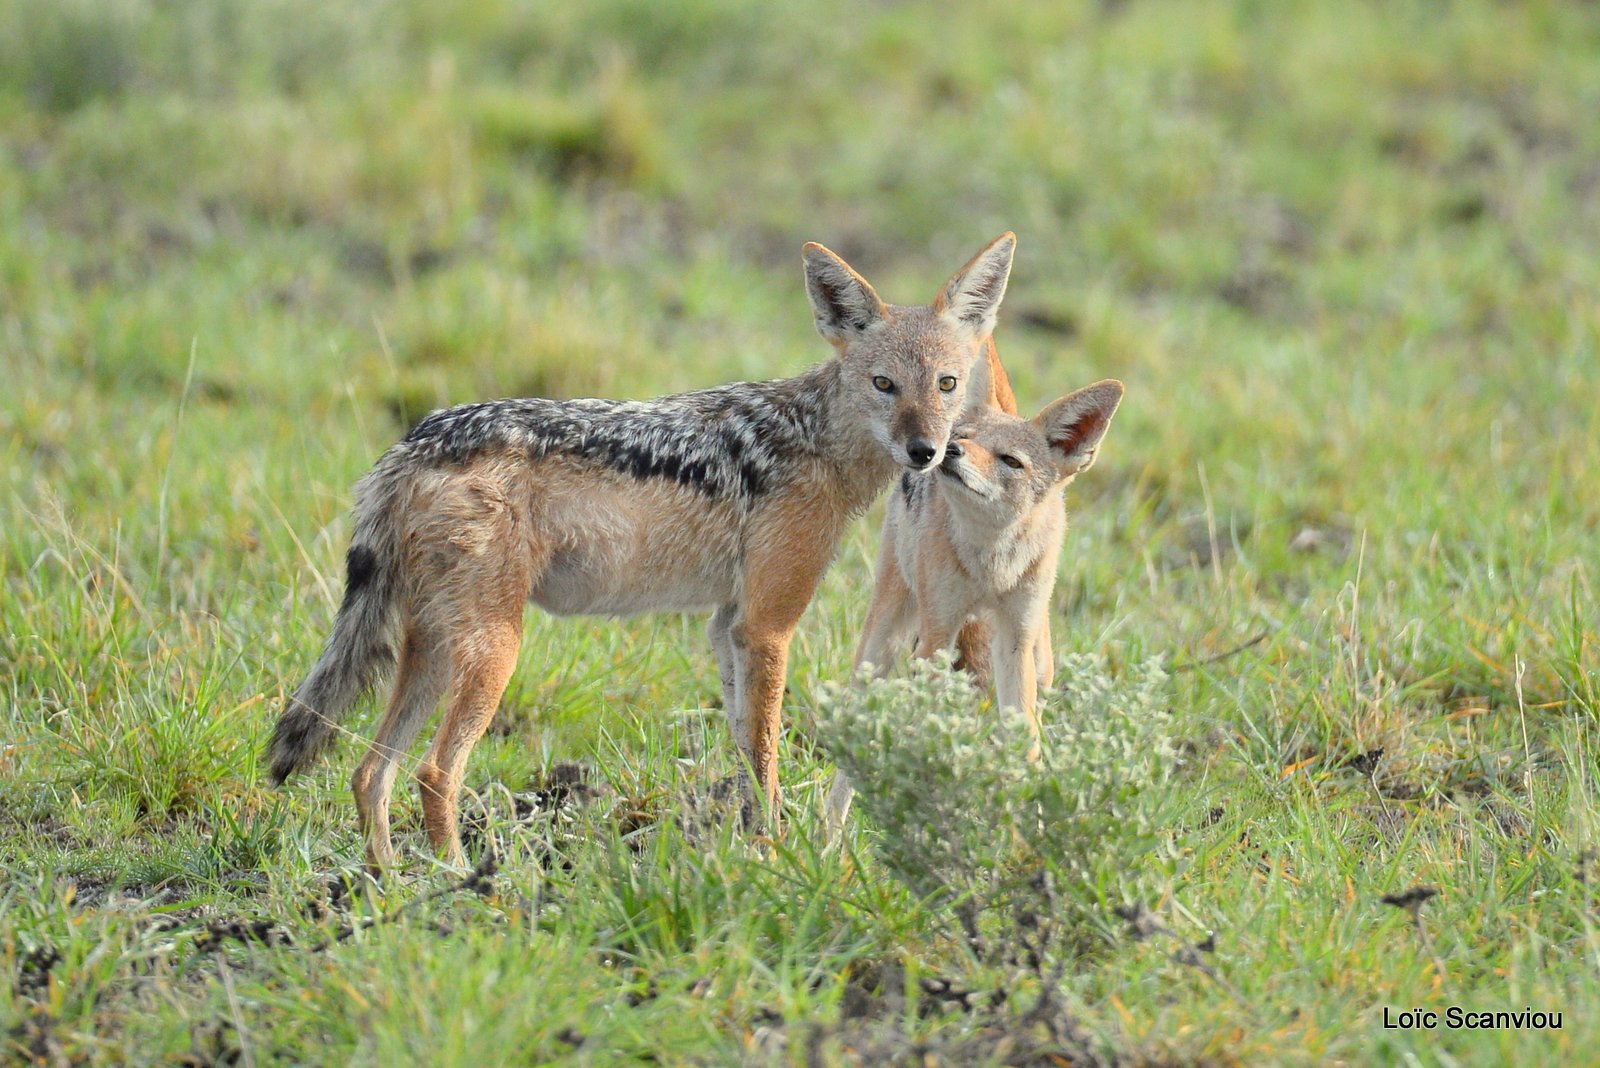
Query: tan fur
981, 541
993, 389
972, 644
463, 546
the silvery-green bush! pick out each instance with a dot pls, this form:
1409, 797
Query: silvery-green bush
959, 814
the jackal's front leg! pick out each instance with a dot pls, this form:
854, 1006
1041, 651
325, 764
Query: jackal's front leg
788, 553
1015, 680
763, 662
1044, 657
938, 621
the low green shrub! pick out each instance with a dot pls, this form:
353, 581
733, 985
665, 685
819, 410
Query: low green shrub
961, 816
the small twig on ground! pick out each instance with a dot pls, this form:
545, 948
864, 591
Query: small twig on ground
1235, 651
1527, 750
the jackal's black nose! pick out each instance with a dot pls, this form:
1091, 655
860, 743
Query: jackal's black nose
921, 451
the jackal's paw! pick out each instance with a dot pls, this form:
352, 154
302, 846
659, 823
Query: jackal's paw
741, 797
734, 799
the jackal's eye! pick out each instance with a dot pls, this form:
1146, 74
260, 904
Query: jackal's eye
882, 384
1011, 461
947, 383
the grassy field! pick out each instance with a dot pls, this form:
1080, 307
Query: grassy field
1344, 257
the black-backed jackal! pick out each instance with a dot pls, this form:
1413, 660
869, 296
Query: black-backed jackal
975, 542
730, 499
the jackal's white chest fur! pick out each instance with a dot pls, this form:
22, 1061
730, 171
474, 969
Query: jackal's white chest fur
992, 560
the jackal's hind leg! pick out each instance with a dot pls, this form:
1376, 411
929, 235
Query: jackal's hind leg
483, 661
890, 619
837, 807
719, 629
890, 615
972, 652
422, 679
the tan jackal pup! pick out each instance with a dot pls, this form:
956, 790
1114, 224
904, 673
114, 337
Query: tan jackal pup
979, 538
730, 499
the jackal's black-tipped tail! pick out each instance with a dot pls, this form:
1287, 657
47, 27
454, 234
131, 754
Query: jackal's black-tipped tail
357, 655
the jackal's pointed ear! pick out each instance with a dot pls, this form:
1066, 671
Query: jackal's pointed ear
972, 297
1075, 424
843, 301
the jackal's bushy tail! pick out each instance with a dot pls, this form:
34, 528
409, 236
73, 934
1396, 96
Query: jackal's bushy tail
360, 651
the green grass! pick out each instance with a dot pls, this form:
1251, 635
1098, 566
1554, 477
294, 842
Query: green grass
1342, 255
